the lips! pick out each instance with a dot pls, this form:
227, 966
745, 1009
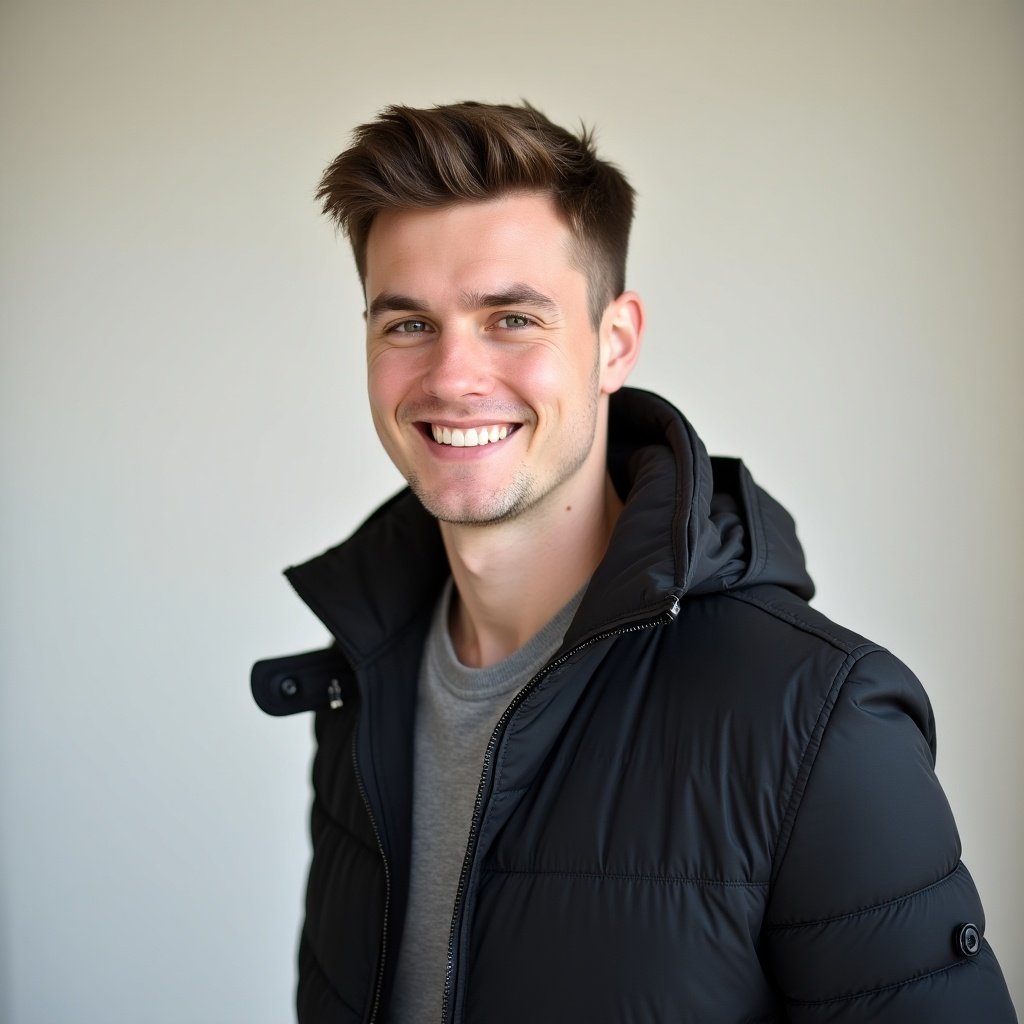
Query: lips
469, 437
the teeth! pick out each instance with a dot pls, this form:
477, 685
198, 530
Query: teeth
471, 437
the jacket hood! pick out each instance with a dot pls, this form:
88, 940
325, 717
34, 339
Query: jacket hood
691, 525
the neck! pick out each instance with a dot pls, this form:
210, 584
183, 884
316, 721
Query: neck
512, 578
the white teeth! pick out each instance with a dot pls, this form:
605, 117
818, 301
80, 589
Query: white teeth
471, 437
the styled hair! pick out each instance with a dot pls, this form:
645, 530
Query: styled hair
411, 158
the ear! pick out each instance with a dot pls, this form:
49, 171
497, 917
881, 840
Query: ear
622, 328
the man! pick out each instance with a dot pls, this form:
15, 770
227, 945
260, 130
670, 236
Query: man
584, 751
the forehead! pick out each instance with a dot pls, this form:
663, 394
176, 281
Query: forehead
520, 232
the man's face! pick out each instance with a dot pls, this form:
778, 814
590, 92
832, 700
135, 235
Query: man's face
485, 373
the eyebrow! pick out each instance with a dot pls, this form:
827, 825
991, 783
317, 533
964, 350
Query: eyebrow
512, 295
389, 302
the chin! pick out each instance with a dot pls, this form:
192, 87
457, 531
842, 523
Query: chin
480, 510
483, 514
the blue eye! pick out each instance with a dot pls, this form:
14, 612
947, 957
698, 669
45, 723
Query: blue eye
515, 321
411, 327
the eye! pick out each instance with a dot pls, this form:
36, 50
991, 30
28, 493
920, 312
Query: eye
515, 321
409, 327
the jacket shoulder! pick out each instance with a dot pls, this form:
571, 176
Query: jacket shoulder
791, 610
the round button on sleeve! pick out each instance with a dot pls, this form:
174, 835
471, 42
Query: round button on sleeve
968, 940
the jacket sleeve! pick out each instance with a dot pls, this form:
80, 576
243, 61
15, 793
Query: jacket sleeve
872, 915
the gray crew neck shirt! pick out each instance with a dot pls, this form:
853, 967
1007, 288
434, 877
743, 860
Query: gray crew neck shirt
457, 708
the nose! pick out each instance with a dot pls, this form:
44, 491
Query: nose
458, 366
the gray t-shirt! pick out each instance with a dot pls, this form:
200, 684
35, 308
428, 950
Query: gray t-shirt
457, 708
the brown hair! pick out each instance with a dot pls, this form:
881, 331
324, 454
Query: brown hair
467, 152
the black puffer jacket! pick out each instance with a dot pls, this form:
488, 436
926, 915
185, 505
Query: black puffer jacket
713, 805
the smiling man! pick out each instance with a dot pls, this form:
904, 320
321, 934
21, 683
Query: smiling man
486, 375
585, 751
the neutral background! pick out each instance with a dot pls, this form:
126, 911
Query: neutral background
831, 242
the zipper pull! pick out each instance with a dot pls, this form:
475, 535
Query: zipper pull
334, 692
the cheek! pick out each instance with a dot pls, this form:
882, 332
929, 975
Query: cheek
554, 378
384, 402
388, 379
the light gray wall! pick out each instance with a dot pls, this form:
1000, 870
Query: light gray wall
831, 242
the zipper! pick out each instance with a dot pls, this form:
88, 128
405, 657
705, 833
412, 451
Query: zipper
387, 887
334, 693
668, 615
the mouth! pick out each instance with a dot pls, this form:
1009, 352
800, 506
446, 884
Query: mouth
469, 437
